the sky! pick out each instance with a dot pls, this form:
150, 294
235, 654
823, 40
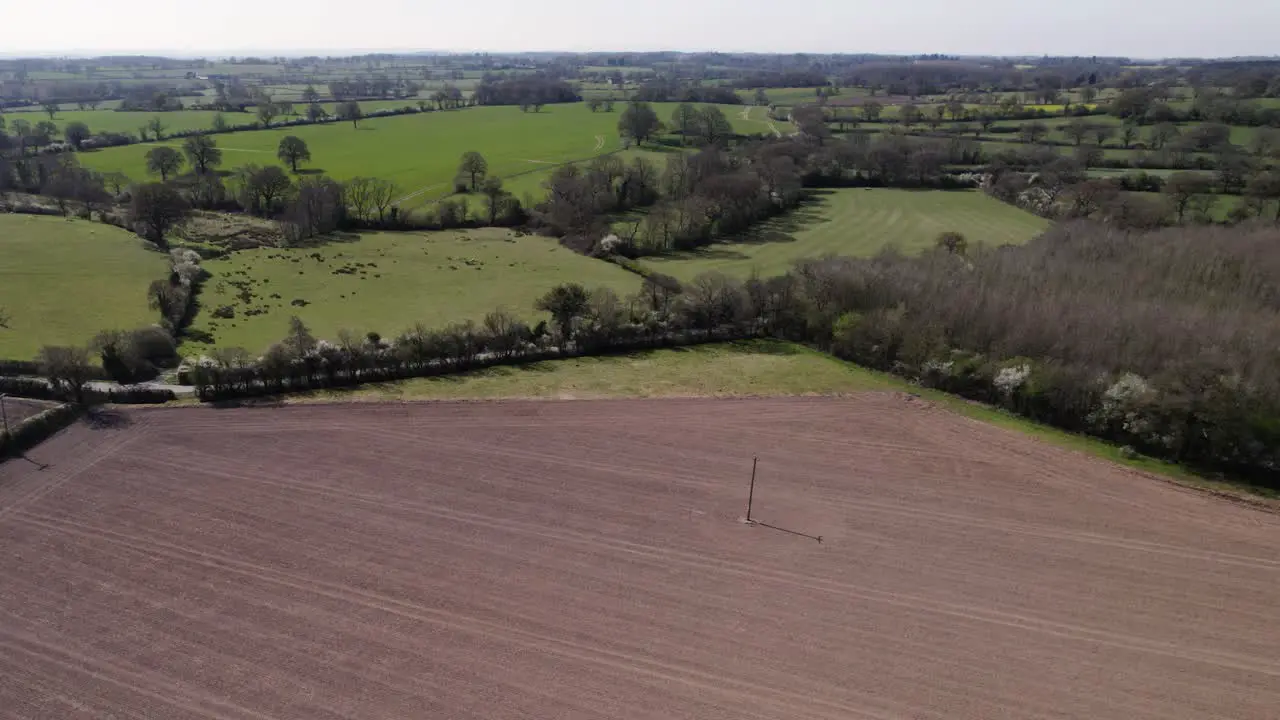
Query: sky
1132, 28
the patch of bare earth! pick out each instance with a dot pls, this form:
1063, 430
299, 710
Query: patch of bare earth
18, 409
588, 560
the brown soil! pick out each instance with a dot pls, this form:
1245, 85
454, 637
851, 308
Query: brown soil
19, 409
588, 560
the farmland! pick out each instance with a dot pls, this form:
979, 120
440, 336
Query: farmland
63, 281
854, 221
420, 152
387, 282
747, 368
521, 559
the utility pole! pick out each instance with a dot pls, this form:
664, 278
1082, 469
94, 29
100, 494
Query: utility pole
751, 494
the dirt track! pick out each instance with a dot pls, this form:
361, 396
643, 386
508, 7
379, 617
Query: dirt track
586, 560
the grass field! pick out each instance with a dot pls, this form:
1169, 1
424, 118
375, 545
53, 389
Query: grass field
749, 368
395, 281
64, 281
106, 120
420, 152
859, 222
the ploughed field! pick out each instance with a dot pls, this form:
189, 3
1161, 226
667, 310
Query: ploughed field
588, 559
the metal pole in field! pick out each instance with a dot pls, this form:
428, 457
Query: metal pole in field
751, 494
3, 414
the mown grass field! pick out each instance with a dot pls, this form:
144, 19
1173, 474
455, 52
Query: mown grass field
63, 281
387, 282
420, 152
861, 222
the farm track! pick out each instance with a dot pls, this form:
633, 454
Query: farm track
587, 559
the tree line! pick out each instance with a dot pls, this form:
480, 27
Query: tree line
1165, 342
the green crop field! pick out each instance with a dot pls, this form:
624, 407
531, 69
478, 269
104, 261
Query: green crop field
420, 152
387, 282
63, 281
859, 222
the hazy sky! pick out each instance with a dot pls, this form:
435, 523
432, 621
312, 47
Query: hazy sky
1136, 28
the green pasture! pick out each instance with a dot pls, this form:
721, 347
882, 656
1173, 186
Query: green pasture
859, 222
63, 281
128, 122
387, 282
420, 152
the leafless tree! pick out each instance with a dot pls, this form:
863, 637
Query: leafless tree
1183, 187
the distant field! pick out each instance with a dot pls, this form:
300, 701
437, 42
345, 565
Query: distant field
420, 152
397, 280
860, 222
128, 122
63, 281
107, 120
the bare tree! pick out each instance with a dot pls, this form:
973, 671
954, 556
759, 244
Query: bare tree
1103, 133
1182, 187
52, 109
1077, 129
1128, 132
163, 161
1034, 131
68, 370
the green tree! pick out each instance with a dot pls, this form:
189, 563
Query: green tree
157, 128
267, 112
564, 303
52, 109
350, 110
495, 197
473, 167
76, 133
154, 209
163, 161
293, 150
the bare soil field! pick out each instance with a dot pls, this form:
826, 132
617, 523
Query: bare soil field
19, 409
588, 559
